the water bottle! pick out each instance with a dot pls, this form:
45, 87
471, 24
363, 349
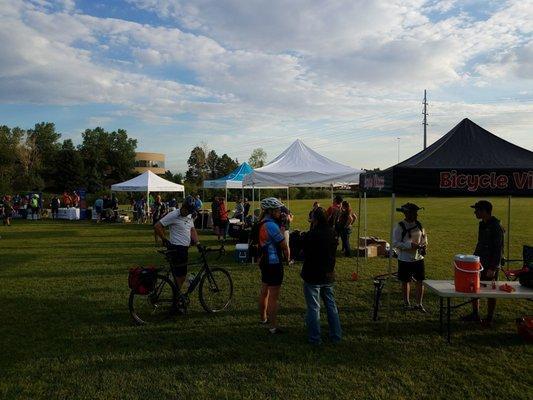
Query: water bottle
190, 278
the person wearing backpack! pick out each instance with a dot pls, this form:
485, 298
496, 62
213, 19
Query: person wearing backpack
410, 242
273, 250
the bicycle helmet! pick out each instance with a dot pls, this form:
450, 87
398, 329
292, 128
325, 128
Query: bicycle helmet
271, 203
190, 204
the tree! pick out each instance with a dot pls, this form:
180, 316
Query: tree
176, 178
258, 158
227, 164
197, 166
44, 146
212, 165
107, 157
10, 142
69, 171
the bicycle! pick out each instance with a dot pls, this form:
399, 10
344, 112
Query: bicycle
215, 290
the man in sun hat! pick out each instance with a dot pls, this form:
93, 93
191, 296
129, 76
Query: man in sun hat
410, 242
489, 249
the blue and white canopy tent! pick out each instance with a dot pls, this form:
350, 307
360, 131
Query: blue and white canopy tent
234, 180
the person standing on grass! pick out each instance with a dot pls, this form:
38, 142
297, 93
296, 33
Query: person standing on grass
223, 219
489, 249
182, 235
54, 205
319, 246
34, 203
343, 226
410, 241
285, 223
7, 210
273, 250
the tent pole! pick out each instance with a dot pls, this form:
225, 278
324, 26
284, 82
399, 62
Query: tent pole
242, 202
288, 197
365, 227
226, 196
392, 206
358, 234
259, 194
508, 227
332, 192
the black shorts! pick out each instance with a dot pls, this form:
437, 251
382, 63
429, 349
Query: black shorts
272, 274
411, 270
178, 260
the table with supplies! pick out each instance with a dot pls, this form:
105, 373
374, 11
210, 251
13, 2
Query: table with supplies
446, 290
71, 213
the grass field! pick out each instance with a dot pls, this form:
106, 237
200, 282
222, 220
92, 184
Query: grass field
65, 331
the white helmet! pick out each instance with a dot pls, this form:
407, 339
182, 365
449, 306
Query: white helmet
271, 203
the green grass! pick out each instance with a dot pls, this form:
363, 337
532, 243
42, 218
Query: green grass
66, 332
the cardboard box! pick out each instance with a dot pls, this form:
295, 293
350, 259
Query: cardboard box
369, 240
369, 251
383, 247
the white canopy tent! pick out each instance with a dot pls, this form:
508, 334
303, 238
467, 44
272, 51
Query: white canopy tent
299, 165
148, 182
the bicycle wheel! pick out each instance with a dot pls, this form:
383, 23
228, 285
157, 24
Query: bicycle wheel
156, 305
215, 290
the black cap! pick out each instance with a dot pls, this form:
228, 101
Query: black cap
483, 205
409, 207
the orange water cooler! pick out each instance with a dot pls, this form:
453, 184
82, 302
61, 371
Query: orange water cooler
467, 273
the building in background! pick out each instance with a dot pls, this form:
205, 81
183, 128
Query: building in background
154, 162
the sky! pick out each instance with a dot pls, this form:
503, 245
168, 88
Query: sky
346, 77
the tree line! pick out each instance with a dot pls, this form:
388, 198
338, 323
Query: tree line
38, 160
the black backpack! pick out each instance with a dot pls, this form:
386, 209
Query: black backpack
406, 231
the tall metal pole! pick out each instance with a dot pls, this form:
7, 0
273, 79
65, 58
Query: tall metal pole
398, 149
425, 123
509, 227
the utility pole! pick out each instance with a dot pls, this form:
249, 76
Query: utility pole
398, 149
425, 123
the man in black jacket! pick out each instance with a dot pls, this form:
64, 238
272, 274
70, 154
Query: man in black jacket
319, 246
489, 249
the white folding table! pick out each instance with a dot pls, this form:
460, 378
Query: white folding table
446, 290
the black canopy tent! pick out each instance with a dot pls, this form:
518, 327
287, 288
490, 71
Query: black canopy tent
467, 161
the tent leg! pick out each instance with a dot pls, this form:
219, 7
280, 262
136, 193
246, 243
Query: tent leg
392, 206
226, 197
253, 198
259, 194
509, 227
332, 193
358, 235
365, 227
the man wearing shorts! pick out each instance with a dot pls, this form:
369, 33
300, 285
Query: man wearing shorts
182, 234
489, 249
410, 241
273, 251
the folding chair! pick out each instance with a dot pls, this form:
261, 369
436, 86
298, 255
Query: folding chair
526, 260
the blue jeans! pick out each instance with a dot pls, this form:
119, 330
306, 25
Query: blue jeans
312, 294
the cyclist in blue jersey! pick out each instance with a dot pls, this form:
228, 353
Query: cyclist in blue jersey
273, 251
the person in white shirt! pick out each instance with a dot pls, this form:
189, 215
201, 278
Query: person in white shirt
182, 235
410, 242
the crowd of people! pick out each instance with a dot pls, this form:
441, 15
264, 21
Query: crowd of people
319, 247
27, 206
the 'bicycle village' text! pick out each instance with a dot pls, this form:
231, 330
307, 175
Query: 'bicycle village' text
473, 182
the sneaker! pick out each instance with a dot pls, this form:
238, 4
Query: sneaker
474, 317
420, 307
263, 322
275, 331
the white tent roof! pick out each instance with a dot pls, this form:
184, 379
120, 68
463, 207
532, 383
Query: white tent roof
147, 182
299, 165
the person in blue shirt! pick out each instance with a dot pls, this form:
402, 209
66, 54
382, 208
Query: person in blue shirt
198, 203
273, 251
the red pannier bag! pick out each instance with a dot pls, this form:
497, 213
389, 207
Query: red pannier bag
142, 279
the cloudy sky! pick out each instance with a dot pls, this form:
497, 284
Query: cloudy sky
346, 77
